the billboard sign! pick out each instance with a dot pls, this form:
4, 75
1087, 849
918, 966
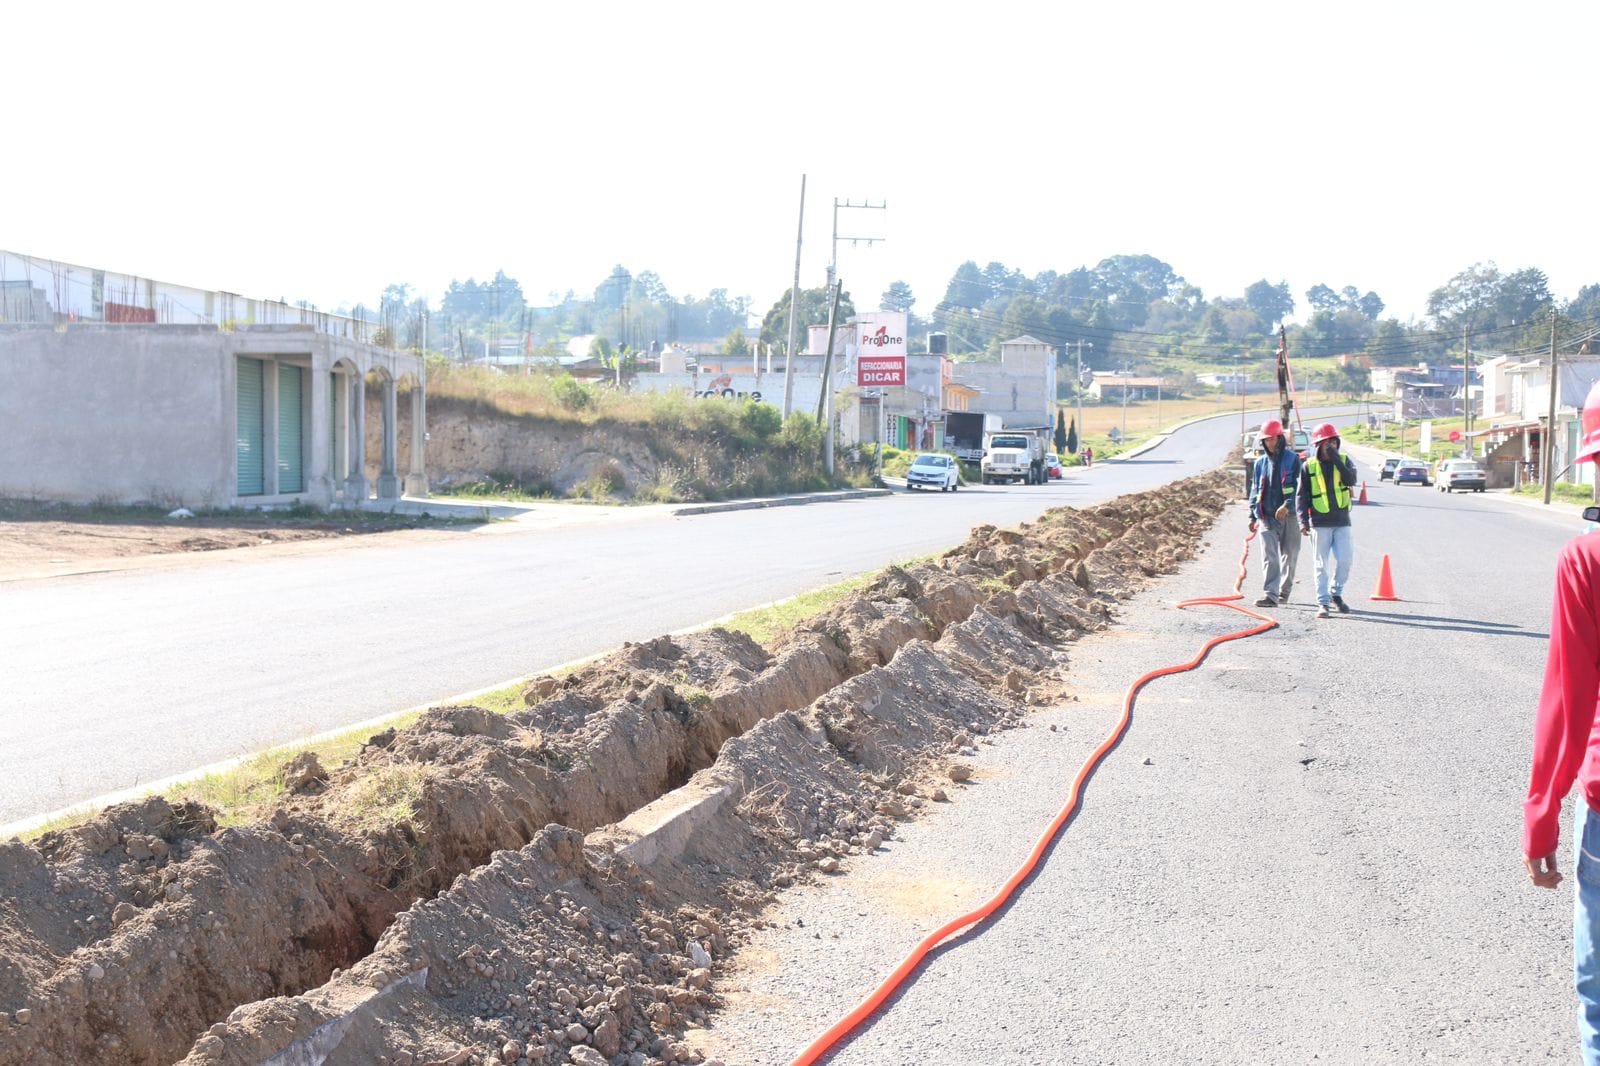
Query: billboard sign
881, 348
881, 333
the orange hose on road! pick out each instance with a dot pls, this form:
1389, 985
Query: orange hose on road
865, 1009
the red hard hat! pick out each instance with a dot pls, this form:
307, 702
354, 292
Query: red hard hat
1272, 428
1323, 432
1589, 446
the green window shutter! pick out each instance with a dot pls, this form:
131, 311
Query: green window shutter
248, 438
291, 411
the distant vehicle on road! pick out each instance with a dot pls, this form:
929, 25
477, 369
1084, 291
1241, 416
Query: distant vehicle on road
1014, 455
1299, 440
932, 470
1412, 471
1462, 474
964, 433
1388, 468
1052, 466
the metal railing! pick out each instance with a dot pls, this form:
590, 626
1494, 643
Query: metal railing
48, 292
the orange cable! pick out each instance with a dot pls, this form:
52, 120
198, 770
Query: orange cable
866, 1007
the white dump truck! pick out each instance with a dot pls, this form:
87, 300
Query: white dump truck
1014, 455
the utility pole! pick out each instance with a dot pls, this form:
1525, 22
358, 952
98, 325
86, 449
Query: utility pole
1123, 370
1547, 473
1081, 430
1466, 393
794, 306
825, 401
1242, 384
833, 256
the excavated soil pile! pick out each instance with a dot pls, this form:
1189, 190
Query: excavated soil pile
437, 900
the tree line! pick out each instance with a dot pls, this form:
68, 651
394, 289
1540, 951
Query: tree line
1132, 311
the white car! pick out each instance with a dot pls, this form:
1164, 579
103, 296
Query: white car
932, 470
1462, 474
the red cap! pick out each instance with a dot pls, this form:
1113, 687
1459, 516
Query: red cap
1589, 446
1272, 428
1323, 432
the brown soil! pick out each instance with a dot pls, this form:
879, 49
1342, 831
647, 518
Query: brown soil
43, 539
507, 917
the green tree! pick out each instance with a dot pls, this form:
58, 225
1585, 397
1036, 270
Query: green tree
968, 288
1024, 316
813, 311
897, 297
1061, 431
1072, 438
1323, 298
1350, 379
1391, 344
1271, 303
736, 344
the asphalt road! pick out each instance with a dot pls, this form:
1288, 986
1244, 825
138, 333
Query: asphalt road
1308, 850
113, 681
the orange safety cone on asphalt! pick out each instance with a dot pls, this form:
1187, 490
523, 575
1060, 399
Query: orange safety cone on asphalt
1363, 497
1385, 589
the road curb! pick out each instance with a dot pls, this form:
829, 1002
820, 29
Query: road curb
782, 501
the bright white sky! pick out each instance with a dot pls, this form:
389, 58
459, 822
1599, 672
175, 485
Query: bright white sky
324, 151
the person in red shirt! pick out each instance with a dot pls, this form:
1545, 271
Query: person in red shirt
1566, 748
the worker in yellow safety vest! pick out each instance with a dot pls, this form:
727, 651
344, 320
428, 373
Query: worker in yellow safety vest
1323, 504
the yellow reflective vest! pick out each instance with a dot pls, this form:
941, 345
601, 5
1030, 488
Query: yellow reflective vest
1319, 491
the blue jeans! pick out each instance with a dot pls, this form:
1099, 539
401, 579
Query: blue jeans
1335, 541
1586, 930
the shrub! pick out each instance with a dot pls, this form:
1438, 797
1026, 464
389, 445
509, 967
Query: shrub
571, 393
802, 435
762, 420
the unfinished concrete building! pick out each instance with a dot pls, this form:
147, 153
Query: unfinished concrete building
117, 389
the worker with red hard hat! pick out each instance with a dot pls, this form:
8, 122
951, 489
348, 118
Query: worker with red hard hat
1273, 483
1326, 479
1566, 748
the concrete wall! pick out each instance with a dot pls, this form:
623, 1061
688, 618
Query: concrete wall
116, 414
147, 413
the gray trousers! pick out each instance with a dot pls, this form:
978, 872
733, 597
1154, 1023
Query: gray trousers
1280, 551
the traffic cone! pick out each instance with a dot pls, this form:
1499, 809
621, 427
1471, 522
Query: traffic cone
1363, 496
1385, 589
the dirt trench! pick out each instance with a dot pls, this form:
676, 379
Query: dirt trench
480, 924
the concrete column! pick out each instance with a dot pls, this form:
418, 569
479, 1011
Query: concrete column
319, 458
417, 478
388, 481
355, 481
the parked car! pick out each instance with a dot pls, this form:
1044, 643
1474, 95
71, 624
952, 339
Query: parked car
932, 470
1388, 468
1462, 474
1052, 466
1414, 471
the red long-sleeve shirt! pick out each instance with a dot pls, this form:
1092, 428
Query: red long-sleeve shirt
1565, 744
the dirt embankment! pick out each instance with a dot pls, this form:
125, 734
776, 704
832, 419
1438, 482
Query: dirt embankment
475, 442
482, 888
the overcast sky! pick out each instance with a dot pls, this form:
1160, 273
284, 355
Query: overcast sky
324, 151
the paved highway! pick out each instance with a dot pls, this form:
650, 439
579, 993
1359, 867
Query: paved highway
112, 681
1308, 850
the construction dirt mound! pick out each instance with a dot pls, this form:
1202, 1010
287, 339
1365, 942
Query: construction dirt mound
556, 885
